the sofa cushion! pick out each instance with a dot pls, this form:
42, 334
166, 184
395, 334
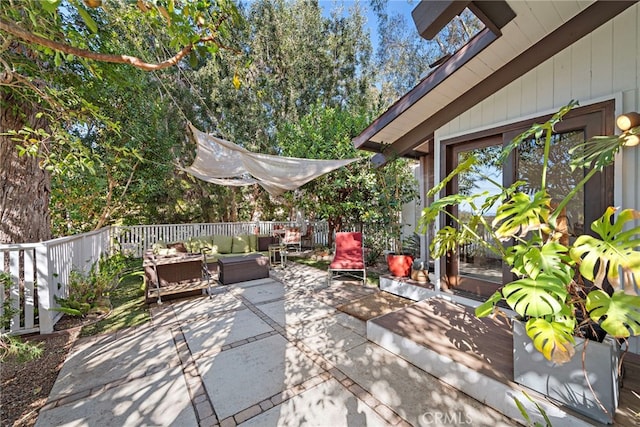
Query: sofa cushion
253, 242
223, 243
241, 244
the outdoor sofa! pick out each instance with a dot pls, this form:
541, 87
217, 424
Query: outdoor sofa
175, 268
217, 246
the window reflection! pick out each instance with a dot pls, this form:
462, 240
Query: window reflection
560, 178
474, 260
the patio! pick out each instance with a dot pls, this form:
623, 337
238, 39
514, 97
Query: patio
258, 353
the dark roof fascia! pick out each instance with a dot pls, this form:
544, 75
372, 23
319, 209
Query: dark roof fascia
483, 39
579, 26
432, 16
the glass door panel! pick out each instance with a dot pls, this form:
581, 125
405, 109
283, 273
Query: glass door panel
473, 270
560, 178
474, 260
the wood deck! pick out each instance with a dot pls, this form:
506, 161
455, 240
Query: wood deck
486, 345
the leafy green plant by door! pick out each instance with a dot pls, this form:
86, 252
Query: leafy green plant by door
560, 289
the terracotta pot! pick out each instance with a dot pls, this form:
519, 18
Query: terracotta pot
399, 265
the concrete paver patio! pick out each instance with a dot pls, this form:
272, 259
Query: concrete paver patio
262, 353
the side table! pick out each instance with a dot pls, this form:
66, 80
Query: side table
278, 255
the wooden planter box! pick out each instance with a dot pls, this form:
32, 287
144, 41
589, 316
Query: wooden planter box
567, 383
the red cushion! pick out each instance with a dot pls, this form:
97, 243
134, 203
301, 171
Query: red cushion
348, 252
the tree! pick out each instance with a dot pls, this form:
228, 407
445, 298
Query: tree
403, 58
45, 43
292, 58
354, 196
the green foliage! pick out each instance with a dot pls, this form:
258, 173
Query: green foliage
16, 348
86, 291
615, 252
521, 214
11, 346
618, 314
551, 289
538, 297
554, 339
526, 415
127, 299
533, 260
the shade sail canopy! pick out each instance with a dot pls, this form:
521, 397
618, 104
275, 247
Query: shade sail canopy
224, 163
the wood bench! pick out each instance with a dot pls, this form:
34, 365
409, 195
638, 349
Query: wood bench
174, 276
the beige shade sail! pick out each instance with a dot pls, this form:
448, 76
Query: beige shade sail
224, 163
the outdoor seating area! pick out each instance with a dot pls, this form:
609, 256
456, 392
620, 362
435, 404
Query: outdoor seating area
280, 350
327, 214
274, 351
194, 266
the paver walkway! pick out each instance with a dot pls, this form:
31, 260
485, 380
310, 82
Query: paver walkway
261, 353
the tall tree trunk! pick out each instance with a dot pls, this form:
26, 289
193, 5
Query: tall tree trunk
24, 186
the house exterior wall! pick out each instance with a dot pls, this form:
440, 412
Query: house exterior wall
603, 65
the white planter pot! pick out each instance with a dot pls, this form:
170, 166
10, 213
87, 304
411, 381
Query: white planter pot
567, 383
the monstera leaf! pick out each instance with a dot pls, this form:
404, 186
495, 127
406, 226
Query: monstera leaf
538, 297
614, 253
620, 313
531, 259
553, 339
487, 308
430, 213
445, 240
521, 214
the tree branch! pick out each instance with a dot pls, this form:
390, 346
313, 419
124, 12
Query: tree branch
97, 56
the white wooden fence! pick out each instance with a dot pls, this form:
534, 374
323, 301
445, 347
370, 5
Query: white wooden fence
40, 271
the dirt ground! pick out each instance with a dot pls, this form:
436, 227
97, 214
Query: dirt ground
26, 385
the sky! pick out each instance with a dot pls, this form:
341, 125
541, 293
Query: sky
404, 7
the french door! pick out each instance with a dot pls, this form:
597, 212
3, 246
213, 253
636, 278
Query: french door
476, 272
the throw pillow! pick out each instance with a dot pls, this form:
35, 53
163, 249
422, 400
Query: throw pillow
179, 247
241, 245
223, 243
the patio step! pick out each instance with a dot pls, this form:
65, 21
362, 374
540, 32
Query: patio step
473, 355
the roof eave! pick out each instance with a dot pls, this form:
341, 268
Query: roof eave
579, 26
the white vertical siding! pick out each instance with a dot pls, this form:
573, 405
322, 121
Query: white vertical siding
604, 64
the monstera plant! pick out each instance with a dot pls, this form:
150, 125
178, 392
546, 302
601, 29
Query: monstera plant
561, 289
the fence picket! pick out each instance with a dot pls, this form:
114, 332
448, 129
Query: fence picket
14, 289
29, 294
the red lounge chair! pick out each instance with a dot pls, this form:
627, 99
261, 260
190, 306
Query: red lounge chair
349, 257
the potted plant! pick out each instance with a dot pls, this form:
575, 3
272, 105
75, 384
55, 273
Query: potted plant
564, 292
397, 187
